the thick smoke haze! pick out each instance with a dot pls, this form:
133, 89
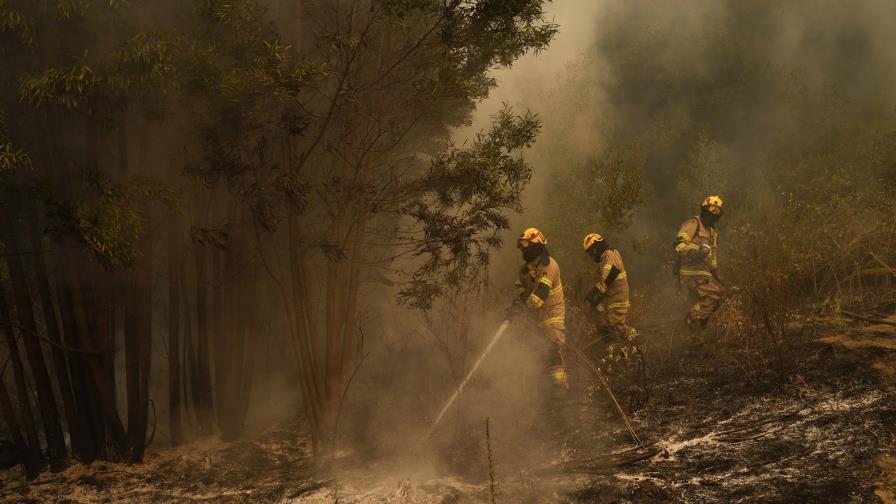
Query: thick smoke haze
715, 97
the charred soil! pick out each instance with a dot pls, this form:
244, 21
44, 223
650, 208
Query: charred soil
819, 429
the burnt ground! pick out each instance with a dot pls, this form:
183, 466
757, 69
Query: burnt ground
818, 426
819, 431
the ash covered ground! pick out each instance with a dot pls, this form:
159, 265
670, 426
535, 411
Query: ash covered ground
821, 432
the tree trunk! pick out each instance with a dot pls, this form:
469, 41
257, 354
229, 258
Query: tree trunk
77, 436
310, 357
248, 323
173, 334
98, 372
190, 390
221, 332
49, 413
12, 425
132, 358
206, 412
33, 460
78, 364
143, 312
90, 291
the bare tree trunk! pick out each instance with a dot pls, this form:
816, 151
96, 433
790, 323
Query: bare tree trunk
173, 334
12, 424
98, 372
309, 355
351, 304
132, 358
49, 413
240, 305
190, 390
33, 460
90, 290
206, 411
99, 320
143, 313
77, 364
248, 322
51, 323
221, 332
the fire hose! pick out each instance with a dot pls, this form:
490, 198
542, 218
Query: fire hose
578, 352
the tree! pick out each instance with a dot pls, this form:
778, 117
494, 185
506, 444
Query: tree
360, 174
285, 166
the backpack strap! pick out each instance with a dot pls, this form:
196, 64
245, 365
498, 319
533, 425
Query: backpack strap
699, 225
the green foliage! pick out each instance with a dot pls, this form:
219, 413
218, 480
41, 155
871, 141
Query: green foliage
146, 59
11, 157
70, 9
109, 225
14, 21
112, 217
463, 205
68, 87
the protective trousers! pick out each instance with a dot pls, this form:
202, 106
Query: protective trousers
705, 295
558, 355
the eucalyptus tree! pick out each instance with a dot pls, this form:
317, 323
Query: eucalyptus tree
357, 172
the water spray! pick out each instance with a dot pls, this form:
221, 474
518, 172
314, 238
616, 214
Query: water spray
588, 363
500, 332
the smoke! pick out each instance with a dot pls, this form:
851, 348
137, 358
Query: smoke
713, 95
716, 97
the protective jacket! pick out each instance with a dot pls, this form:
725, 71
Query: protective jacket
612, 284
698, 270
692, 236
538, 285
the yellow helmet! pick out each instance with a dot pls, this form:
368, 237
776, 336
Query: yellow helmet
531, 235
715, 201
591, 240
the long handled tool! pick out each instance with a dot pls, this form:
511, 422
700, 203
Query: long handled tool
603, 381
500, 332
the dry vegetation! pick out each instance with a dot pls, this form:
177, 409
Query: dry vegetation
306, 227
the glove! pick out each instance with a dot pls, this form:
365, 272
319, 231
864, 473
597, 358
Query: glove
514, 309
594, 297
591, 296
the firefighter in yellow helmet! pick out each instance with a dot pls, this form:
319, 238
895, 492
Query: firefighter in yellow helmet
539, 291
609, 295
697, 267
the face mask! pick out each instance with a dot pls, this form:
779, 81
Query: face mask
598, 250
532, 252
708, 218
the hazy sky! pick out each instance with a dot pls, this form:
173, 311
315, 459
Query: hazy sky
533, 74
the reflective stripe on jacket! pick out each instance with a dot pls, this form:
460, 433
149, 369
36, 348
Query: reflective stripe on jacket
691, 237
539, 286
616, 293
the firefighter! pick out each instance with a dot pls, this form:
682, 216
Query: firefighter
540, 292
696, 246
609, 296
